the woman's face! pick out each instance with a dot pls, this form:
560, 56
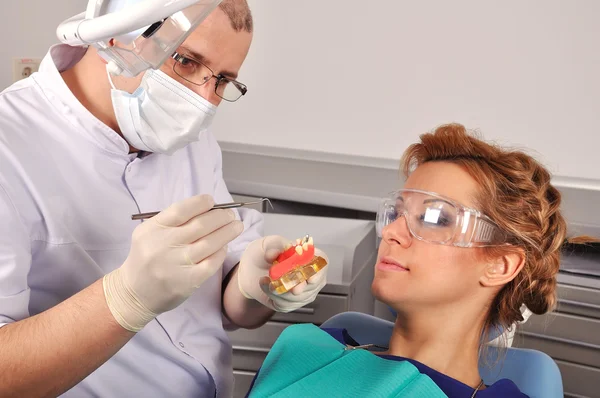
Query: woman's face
411, 273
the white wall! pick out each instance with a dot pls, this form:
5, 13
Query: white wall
28, 29
366, 77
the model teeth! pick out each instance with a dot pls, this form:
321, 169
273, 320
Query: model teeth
287, 246
298, 241
299, 249
305, 246
310, 241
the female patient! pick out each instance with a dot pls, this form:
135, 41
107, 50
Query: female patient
473, 236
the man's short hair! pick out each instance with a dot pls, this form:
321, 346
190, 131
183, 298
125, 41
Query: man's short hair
239, 14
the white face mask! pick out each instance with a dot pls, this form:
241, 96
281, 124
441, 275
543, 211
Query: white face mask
162, 115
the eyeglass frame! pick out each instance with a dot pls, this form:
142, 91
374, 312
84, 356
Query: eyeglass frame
477, 213
243, 89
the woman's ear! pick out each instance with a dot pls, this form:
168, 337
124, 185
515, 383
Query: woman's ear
503, 269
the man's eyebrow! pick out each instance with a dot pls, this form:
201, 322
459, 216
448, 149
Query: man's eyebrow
199, 57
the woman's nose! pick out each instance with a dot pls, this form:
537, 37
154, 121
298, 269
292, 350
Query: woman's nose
397, 232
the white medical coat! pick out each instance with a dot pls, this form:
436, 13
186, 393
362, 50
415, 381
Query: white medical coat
68, 188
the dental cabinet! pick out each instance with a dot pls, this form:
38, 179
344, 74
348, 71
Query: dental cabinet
571, 334
335, 198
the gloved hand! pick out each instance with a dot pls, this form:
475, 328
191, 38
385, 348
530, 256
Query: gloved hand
253, 276
171, 255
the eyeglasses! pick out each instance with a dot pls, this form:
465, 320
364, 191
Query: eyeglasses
196, 72
437, 219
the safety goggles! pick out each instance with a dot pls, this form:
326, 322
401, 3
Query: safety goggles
437, 219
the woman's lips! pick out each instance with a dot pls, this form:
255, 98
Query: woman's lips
389, 264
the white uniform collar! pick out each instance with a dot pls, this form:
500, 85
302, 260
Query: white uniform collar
59, 58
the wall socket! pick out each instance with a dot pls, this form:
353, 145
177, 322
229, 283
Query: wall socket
25, 67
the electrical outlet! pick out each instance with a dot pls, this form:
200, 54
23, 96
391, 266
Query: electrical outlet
25, 67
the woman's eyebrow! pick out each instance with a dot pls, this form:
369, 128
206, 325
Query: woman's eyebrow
436, 200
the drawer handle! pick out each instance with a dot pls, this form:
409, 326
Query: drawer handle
561, 340
243, 373
252, 349
579, 304
304, 310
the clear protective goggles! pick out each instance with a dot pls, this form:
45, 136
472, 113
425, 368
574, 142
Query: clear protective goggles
434, 218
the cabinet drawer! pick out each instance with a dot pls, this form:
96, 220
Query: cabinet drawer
324, 307
241, 383
578, 380
263, 337
249, 358
579, 301
561, 349
571, 327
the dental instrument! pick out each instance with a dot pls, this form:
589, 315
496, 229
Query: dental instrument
143, 216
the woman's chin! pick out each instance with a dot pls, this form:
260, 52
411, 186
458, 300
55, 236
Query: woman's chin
387, 291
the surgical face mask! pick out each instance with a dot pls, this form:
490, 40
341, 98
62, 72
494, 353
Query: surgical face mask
162, 115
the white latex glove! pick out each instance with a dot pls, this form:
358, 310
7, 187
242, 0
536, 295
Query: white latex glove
171, 255
253, 276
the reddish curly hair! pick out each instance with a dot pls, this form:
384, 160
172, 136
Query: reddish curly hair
516, 192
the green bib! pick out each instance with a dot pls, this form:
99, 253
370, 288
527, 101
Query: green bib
306, 361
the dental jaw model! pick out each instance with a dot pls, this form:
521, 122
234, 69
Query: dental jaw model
296, 264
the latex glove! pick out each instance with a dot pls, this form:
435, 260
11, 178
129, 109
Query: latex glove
171, 255
253, 276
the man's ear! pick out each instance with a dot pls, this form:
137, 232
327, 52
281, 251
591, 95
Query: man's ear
503, 269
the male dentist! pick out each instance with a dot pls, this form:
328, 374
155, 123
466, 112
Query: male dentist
92, 303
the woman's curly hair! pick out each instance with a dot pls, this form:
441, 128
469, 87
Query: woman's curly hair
516, 192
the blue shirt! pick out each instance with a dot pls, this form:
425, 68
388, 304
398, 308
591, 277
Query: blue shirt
503, 388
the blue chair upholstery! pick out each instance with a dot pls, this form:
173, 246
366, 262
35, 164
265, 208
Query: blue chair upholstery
534, 372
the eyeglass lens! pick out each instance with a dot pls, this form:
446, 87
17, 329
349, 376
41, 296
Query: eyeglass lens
197, 73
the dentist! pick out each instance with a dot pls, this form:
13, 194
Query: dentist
116, 122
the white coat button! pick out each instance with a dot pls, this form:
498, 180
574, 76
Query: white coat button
181, 345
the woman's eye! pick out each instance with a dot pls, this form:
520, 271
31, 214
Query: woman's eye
440, 220
443, 221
